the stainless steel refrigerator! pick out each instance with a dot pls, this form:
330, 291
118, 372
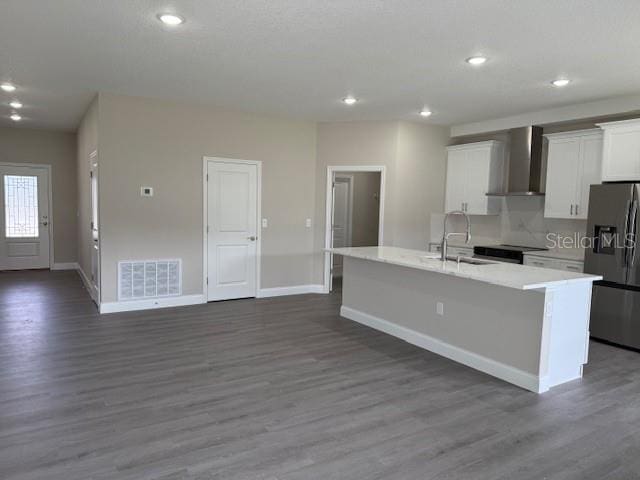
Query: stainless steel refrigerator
612, 225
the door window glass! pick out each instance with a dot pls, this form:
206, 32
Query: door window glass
21, 206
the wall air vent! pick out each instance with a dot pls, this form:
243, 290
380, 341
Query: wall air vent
149, 279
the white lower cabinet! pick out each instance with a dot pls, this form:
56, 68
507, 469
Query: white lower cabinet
554, 263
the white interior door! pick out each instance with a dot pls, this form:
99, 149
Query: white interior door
232, 192
24, 217
342, 218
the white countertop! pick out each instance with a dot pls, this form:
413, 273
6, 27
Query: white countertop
509, 275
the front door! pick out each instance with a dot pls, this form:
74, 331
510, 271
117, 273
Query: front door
24, 217
232, 191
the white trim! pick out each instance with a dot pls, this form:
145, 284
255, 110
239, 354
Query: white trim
589, 132
65, 266
205, 265
507, 373
50, 200
85, 279
599, 108
151, 303
293, 290
331, 169
473, 146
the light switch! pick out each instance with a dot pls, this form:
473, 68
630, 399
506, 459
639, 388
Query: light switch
265, 223
308, 223
146, 191
440, 308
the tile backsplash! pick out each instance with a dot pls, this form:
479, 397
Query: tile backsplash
521, 222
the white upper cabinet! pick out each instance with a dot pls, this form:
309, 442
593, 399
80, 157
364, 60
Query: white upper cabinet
573, 165
473, 170
621, 151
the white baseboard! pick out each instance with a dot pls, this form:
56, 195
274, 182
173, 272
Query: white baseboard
151, 303
293, 290
505, 372
65, 266
85, 279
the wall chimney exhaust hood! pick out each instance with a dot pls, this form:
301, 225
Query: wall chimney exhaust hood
525, 163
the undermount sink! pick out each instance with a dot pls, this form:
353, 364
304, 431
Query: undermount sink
469, 260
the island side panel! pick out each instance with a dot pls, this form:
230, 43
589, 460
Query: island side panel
566, 336
494, 329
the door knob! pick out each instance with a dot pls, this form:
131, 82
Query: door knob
44, 224
252, 238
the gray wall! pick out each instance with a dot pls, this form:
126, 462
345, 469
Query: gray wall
414, 155
161, 144
87, 143
20, 145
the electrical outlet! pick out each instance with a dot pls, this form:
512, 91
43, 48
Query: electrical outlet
440, 308
265, 223
308, 223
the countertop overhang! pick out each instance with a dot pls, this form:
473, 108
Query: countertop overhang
520, 277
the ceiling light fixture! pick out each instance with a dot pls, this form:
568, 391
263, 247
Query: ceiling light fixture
8, 87
477, 60
15, 104
425, 112
15, 117
560, 82
350, 100
171, 19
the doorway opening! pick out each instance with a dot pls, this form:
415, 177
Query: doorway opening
25, 216
355, 213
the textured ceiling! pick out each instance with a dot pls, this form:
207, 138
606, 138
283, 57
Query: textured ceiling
299, 57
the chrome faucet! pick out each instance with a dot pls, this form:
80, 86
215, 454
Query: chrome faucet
446, 235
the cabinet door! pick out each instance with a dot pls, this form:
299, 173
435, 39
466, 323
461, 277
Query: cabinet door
456, 180
563, 167
590, 173
621, 160
537, 262
478, 164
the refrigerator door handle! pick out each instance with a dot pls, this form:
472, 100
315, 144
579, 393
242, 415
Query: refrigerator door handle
633, 232
625, 256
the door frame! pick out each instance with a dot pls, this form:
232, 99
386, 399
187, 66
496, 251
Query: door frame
94, 166
49, 199
205, 214
328, 234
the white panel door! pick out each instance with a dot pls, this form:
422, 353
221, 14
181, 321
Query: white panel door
456, 180
232, 230
24, 217
341, 222
563, 169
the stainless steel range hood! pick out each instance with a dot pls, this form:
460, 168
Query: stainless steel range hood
525, 163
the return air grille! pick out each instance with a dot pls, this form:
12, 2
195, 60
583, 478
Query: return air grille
149, 279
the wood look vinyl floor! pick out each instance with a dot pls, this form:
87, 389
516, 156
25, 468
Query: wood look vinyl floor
281, 389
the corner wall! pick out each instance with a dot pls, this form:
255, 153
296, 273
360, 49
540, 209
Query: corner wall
87, 143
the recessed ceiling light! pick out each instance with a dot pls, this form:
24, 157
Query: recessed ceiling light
425, 112
477, 60
15, 117
561, 82
350, 100
171, 19
15, 104
8, 87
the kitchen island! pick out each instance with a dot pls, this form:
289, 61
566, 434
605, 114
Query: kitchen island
528, 326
